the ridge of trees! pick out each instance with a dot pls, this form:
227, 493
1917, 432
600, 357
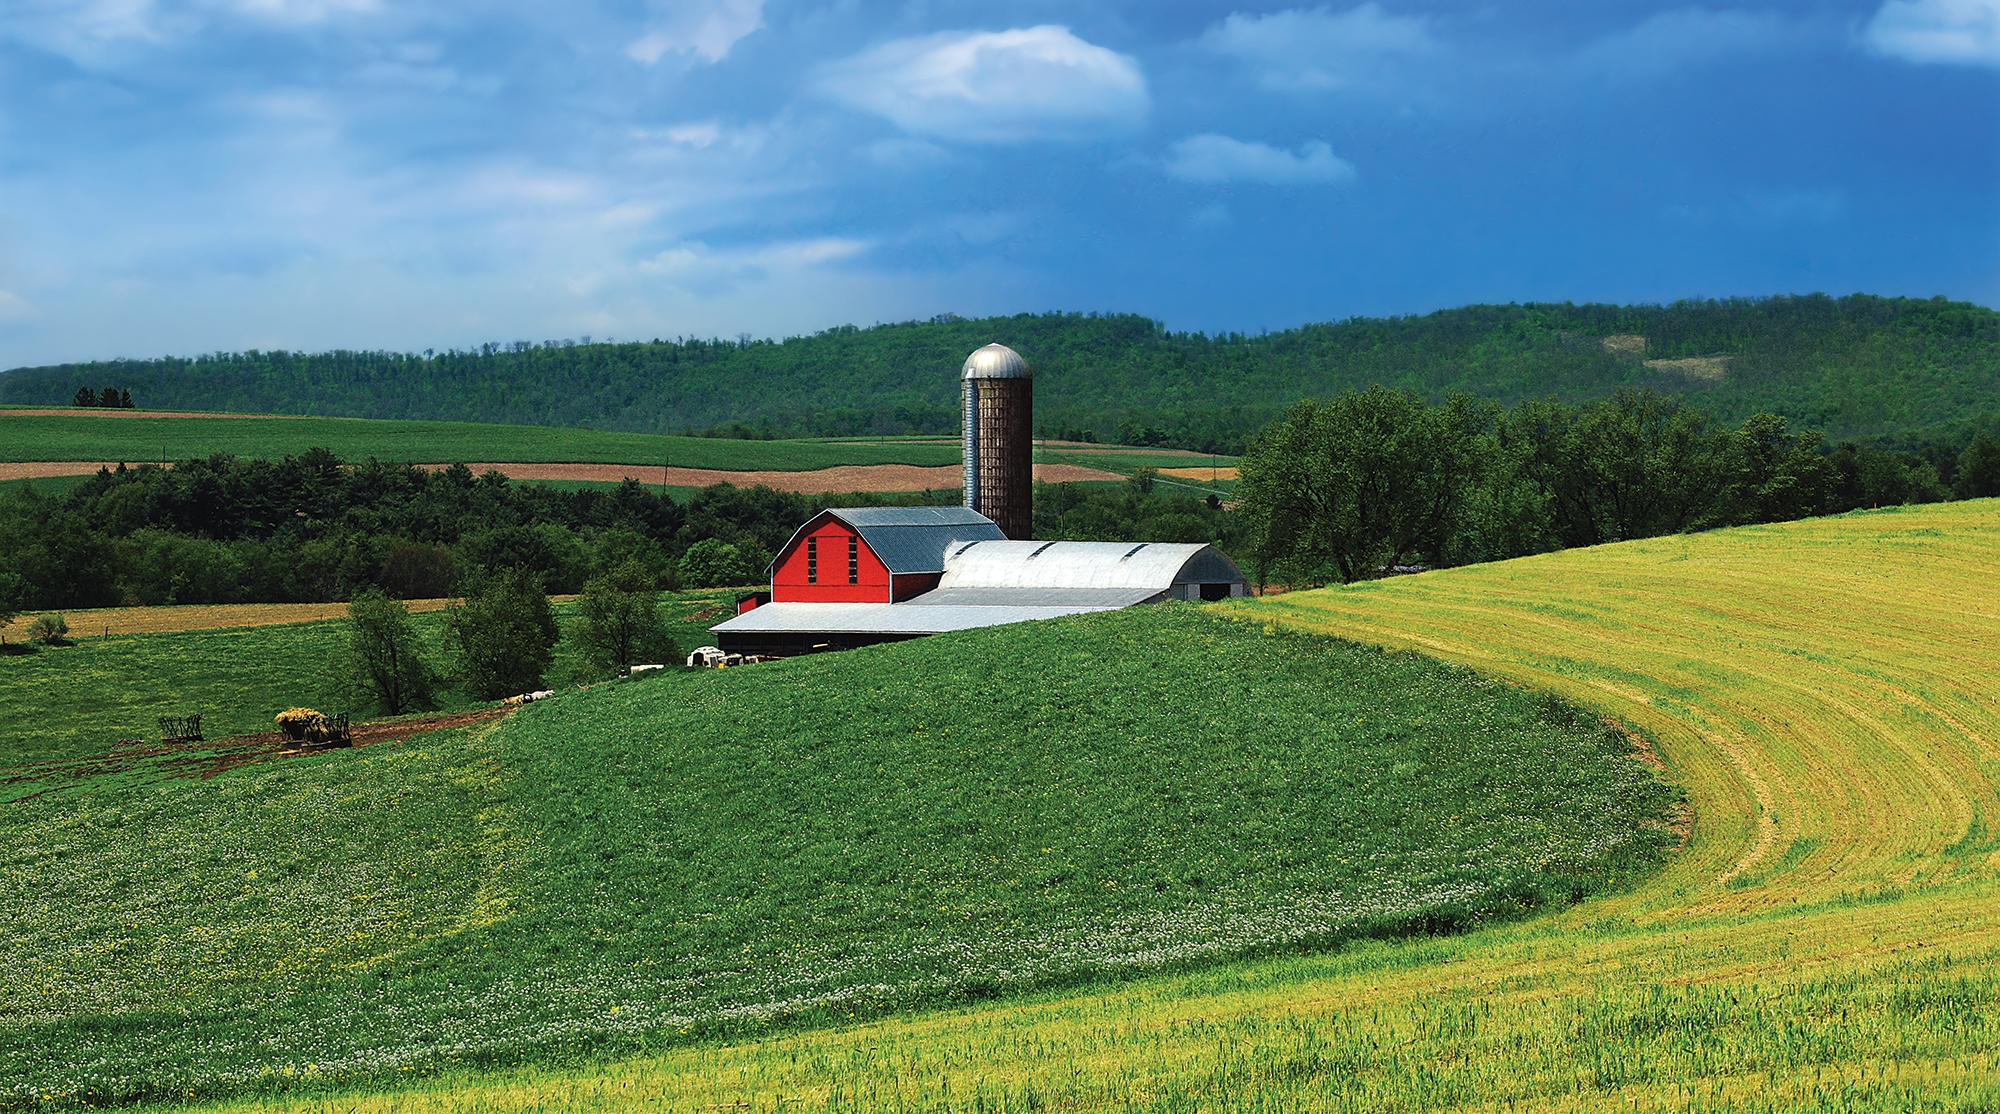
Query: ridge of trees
1374, 481
1896, 371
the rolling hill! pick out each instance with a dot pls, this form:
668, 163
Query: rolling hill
1826, 939
686, 856
1894, 369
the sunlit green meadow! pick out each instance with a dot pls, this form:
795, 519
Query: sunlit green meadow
689, 856
1828, 938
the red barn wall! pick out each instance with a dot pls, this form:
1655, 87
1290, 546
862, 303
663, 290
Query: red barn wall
914, 584
788, 580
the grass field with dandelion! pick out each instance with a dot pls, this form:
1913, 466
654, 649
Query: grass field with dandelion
1827, 939
686, 857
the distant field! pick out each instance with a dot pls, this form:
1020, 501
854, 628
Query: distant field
1827, 940
236, 664
55, 445
100, 622
140, 437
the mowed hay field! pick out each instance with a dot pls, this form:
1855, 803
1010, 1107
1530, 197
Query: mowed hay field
1828, 938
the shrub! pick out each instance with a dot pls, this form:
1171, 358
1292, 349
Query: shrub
504, 634
621, 619
48, 629
714, 563
384, 659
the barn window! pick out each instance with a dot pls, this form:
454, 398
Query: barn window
812, 560
853, 559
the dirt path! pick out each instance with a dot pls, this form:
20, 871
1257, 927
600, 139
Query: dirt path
44, 469
216, 756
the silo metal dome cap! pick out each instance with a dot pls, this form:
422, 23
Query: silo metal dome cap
996, 361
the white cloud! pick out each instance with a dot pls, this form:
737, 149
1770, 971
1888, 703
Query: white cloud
1685, 36
298, 11
697, 268
1964, 32
1317, 49
80, 29
13, 307
994, 86
705, 28
1218, 158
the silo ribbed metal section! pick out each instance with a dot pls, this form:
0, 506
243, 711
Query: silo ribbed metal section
999, 439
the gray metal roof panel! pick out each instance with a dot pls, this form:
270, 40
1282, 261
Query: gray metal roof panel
910, 516
1033, 597
916, 542
884, 618
907, 539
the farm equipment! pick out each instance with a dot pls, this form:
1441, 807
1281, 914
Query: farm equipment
180, 729
317, 729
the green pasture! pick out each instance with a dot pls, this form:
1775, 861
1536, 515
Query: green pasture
46, 485
110, 436
685, 855
63, 703
1123, 460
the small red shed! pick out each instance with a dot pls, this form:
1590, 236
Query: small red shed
872, 554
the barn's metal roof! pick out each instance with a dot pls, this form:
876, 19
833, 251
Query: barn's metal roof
907, 539
1083, 599
887, 618
996, 361
1153, 566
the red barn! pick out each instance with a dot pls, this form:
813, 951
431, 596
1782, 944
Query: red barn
858, 576
872, 554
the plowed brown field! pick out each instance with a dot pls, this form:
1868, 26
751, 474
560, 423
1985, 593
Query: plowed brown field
95, 621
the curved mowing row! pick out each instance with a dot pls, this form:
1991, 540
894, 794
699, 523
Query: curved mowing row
1829, 937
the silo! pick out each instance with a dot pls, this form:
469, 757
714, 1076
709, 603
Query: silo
999, 442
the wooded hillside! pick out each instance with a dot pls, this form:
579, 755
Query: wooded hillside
1858, 367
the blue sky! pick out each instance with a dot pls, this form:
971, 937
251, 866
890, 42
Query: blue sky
181, 176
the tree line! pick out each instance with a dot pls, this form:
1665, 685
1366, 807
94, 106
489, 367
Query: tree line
500, 638
1375, 481
117, 398
313, 527
1891, 371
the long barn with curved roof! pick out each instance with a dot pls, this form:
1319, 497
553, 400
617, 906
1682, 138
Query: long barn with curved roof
857, 576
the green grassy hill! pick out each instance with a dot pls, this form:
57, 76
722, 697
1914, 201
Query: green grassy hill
691, 854
1858, 367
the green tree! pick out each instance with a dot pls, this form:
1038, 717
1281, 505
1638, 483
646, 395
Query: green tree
620, 619
1342, 486
714, 563
504, 634
13, 595
414, 571
1635, 465
1979, 469
384, 660
1774, 476
84, 397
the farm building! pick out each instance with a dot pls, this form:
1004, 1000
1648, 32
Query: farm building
858, 576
